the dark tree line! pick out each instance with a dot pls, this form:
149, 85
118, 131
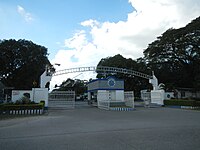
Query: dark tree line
22, 63
175, 56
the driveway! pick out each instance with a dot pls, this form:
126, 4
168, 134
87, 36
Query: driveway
89, 128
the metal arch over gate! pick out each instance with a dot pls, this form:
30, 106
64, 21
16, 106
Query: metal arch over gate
103, 69
62, 99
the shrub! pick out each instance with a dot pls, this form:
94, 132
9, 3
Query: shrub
42, 102
197, 103
6, 107
18, 102
177, 102
25, 100
32, 102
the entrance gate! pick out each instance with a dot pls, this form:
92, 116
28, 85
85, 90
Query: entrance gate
62, 99
146, 97
104, 99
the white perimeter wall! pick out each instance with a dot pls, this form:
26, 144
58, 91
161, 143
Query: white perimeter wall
36, 95
18, 94
40, 94
157, 96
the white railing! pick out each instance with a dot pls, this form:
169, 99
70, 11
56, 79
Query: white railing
102, 104
146, 97
129, 98
62, 99
104, 100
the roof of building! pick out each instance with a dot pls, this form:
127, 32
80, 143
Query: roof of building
106, 79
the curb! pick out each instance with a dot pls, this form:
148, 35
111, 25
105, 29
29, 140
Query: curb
122, 109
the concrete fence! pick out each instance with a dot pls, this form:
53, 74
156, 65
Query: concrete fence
24, 112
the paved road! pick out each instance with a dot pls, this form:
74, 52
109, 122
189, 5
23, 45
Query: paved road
94, 129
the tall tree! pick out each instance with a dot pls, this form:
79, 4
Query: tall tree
22, 63
175, 56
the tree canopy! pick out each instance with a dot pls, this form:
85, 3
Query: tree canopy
22, 63
175, 56
77, 85
131, 83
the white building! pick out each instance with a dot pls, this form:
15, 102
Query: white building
109, 94
113, 86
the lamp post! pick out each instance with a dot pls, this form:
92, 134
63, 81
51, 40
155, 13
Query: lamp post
56, 64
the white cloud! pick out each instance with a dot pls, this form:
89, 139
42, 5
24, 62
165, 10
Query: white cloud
90, 23
129, 37
27, 16
77, 41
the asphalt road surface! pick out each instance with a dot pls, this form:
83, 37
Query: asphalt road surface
89, 128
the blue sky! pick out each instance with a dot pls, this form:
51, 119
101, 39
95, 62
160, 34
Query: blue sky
55, 20
78, 33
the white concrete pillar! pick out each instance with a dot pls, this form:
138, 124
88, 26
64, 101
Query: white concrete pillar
89, 96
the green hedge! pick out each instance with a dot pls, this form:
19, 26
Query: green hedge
177, 102
42, 102
5, 107
197, 103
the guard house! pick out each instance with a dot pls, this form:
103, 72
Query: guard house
108, 89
